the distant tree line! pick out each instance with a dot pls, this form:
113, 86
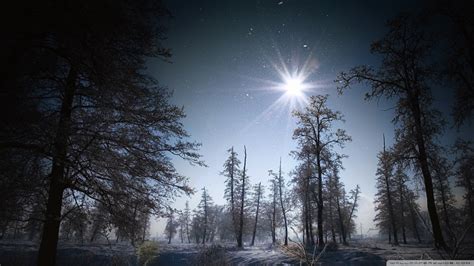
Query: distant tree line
312, 203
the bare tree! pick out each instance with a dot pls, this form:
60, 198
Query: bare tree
304, 188
243, 189
355, 194
273, 206
258, 194
445, 201
184, 221
232, 171
171, 226
315, 127
105, 121
385, 195
281, 184
458, 61
464, 174
404, 75
187, 220
204, 213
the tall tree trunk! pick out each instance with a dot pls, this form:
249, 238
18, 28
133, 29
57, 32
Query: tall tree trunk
320, 198
205, 217
390, 234
232, 193
306, 219
259, 191
280, 185
391, 214
444, 205
404, 234
49, 240
308, 203
331, 220
414, 224
242, 202
341, 218
402, 211
469, 195
423, 160
273, 223
187, 223
171, 228
390, 210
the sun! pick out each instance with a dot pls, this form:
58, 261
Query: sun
293, 85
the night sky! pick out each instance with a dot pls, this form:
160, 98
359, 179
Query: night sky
225, 72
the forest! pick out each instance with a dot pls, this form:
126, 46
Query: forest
90, 142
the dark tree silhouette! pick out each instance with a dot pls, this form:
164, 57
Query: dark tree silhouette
464, 174
315, 127
281, 184
404, 75
304, 188
171, 226
105, 127
232, 171
258, 194
204, 210
385, 198
273, 206
243, 189
458, 60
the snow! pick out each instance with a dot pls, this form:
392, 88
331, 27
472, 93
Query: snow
24, 253
359, 252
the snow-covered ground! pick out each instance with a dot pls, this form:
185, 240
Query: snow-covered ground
190, 254
411, 251
24, 253
362, 252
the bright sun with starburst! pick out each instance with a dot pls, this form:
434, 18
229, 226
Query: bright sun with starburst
296, 83
293, 86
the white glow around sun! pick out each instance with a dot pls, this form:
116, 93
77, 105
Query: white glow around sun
293, 85
296, 82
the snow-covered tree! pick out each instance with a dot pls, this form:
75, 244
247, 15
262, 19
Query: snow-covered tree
203, 216
171, 226
257, 199
465, 174
384, 198
315, 127
243, 191
232, 172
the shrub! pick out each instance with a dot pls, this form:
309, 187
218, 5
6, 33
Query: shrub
147, 252
212, 255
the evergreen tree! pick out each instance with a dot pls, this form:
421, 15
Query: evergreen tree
232, 172
203, 216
